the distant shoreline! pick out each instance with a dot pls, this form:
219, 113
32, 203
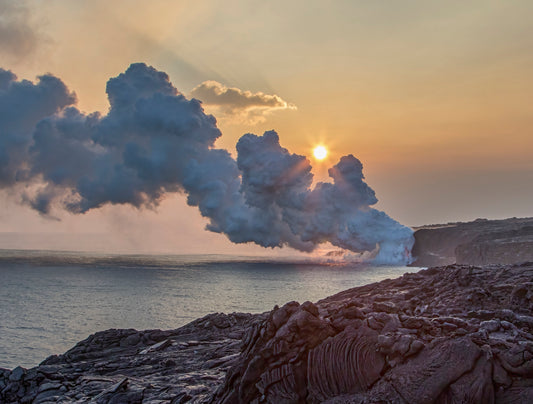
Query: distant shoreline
480, 242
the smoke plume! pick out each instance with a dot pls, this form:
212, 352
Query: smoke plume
155, 141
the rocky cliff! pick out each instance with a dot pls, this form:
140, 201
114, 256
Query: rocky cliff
452, 334
481, 242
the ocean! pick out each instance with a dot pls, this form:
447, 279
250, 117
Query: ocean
51, 300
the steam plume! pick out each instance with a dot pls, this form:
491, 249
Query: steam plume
154, 141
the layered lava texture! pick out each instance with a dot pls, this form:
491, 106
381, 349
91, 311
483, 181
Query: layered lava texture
444, 335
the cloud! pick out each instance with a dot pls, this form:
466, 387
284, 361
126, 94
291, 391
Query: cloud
238, 105
18, 35
22, 105
154, 142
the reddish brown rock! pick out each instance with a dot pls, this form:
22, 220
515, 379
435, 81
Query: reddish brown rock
350, 362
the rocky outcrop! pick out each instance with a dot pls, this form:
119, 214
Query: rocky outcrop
454, 334
481, 242
129, 366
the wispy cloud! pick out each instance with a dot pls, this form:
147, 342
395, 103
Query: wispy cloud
18, 35
238, 105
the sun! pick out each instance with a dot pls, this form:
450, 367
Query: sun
320, 152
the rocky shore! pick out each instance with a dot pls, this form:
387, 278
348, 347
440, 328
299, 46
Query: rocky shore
451, 334
129, 366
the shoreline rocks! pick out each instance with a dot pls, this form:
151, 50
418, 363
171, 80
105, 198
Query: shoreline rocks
447, 335
129, 366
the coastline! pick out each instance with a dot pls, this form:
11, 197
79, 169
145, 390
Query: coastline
52, 301
442, 333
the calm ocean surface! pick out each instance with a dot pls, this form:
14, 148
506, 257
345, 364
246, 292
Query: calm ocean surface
51, 300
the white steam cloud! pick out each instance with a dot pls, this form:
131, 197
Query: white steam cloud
155, 141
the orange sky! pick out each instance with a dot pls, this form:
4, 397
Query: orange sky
433, 97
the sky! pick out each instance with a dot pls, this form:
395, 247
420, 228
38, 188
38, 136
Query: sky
434, 98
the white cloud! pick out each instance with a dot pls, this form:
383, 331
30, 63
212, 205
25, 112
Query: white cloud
238, 105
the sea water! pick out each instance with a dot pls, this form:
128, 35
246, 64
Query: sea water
51, 300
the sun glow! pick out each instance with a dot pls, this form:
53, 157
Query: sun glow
320, 152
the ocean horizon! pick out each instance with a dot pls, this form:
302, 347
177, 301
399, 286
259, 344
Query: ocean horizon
52, 299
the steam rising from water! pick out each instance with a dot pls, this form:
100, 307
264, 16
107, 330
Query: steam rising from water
154, 141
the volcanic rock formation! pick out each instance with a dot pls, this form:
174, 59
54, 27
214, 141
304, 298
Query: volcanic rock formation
129, 366
444, 335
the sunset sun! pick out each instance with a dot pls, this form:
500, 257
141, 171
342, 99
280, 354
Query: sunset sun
320, 152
